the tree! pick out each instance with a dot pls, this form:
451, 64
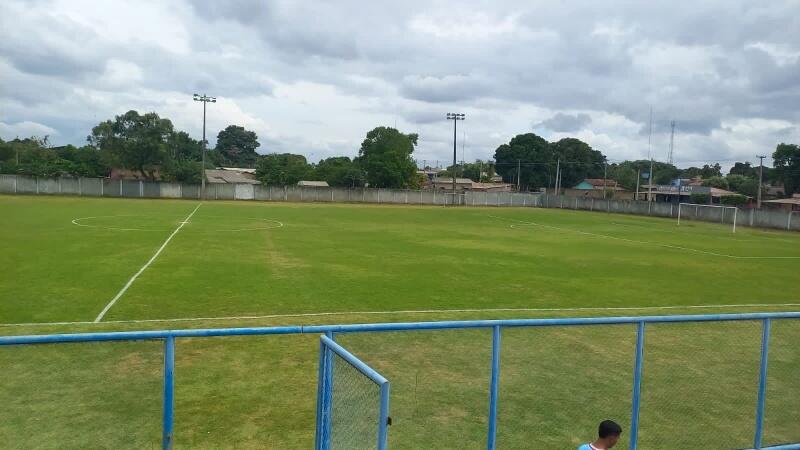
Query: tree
340, 171
786, 161
733, 200
743, 185
535, 158
182, 146
717, 182
385, 156
133, 141
744, 169
282, 169
578, 161
705, 172
237, 146
625, 173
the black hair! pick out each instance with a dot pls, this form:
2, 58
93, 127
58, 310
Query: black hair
609, 428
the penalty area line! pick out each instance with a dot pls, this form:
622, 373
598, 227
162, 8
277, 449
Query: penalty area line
412, 311
145, 266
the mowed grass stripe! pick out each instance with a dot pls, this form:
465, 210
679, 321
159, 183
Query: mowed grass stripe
341, 258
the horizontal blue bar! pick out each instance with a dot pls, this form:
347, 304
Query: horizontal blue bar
368, 371
782, 447
371, 327
145, 335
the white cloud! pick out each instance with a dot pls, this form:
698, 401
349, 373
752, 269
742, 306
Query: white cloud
25, 129
312, 77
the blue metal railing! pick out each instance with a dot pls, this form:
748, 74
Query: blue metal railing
169, 337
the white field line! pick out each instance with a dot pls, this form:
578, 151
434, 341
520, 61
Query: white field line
634, 241
145, 266
414, 311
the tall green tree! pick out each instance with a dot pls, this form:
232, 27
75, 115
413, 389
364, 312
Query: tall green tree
385, 157
786, 161
717, 182
744, 169
237, 146
579, 161
340, 171
181, 146
134, 141
283, 169
538, 161
535, 159
707, 171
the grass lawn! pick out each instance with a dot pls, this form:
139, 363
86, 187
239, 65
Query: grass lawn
64, 259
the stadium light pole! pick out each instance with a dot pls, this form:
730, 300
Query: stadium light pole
760, 176
455, 117
205, 99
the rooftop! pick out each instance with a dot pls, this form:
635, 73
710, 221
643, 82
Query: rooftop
231, 176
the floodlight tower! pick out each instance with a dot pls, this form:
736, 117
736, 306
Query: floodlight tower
455, 117
205, 99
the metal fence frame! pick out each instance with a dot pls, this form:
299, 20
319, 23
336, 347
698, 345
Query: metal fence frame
328, 347
169, 337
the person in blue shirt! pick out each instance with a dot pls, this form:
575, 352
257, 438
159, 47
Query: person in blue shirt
607, 436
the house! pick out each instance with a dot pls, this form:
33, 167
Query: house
599, 188
682, 193
786, 204
313, 184
490, 187
446, 184
231, 175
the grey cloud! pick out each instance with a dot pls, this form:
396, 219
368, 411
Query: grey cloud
696, 66
565, 122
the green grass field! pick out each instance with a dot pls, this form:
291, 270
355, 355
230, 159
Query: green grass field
251, 263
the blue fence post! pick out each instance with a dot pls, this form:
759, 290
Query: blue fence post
383, 417
493, 392
320, 395
327, 397
762, 383
169, 393
637, 386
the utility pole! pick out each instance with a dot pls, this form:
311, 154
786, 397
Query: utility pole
455, 117
760, 177
205, 99
518, 174
463, 141
650, 154
605, 177
558, 176
671, 141
638, 176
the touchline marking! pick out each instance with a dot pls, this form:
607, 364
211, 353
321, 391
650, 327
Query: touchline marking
676, 247
144, 267
412, 311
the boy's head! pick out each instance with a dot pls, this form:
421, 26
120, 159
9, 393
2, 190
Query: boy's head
609, 432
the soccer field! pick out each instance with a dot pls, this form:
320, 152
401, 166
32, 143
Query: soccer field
153, 264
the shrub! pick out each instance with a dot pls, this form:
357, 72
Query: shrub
733, 200
701, 199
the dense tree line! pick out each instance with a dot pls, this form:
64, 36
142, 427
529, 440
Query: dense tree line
151, 146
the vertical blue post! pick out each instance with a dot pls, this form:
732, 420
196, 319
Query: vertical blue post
492, 435
637, 386
327, 397
320, 395
169, 391
383, 418
762, 383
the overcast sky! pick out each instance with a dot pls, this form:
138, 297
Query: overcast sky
314, 77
